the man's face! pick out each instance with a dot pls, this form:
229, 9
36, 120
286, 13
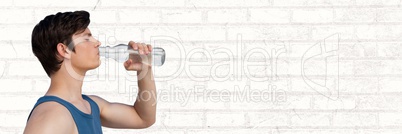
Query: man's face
86, 55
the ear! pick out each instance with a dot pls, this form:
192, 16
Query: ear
63, 51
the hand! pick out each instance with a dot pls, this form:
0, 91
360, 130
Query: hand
141, 61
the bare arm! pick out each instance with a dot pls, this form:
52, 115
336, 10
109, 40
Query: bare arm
142, 113
146, 99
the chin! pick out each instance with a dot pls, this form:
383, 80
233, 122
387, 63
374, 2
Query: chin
95, 65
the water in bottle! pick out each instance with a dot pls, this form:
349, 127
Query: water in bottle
121, 52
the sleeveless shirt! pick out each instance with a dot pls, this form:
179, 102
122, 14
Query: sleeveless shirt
86, 123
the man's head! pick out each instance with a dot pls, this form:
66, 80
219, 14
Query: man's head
54, 34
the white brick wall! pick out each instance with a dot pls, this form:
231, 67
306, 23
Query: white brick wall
362, 76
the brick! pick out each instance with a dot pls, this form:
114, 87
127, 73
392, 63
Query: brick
389, 50
166, 3
346, 67
182, 85
282, 102
310, 119
299, 85
49, 3
197, 70
16, 32
321, 32
225, 119
359, 85
390, 67
103, 16
341, 102
187, 119
387, 85
221, 3
227, 16
12, 130
41, 85
355, 119
6, 3
216, 51
19, 102
124, 35
367, 67
383, 32
379, 131
313, 3
41, 14
389, 15
18, 50
8, 50
230, 131
182, 16
170, 70
379, 102
13, 119
187, 33
312, 16
174, 48
321, 66
355, 15
192, 103
269, 33
270, 15
139, 16
268, 119
257, 3
311, 130
371, 102
26, 68
296, 50
378, 2
390, 119
2, 68
231, 85
353, 49
16, 85
187, 97
333, 131
8, 16
327, 86
150, 130
289, 131
143, 3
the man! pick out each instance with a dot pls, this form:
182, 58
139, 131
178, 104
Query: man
66, 49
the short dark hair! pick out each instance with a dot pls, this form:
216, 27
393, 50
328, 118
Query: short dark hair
54, 29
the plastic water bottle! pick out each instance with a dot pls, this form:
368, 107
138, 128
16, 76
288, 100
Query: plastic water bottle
121, 52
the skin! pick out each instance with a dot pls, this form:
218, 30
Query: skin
66, 83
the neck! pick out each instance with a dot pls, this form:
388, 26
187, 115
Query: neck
66, 83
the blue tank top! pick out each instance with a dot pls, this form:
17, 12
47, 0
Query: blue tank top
86, 123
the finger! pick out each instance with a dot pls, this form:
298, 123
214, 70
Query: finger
127, 63
141, 48
133, 45
146, 50
150, 48
130, 65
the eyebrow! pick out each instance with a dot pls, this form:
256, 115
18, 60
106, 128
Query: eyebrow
88, 34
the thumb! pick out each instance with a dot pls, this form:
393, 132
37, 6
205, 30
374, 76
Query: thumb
128, 63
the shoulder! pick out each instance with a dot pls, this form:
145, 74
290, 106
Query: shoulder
50, 117
102, 103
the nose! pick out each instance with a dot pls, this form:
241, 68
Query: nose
98, 43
